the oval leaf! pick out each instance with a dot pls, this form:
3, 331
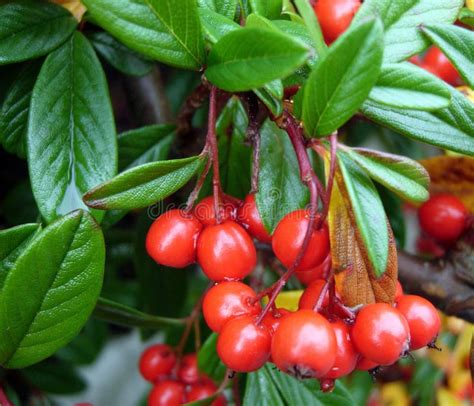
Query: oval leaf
71, 133
349, 70
166, 30
65, 266
234, 67
226, 8
143, 185
457, 44
405, 177
402, 19
407, 86
267, 8
29, 29
215, 26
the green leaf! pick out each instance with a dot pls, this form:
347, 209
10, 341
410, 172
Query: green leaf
64, 266
280, 190
226, 8
166, 30
55, 376
209, 362
143, 145
451, 128
13, 242
457, 44
300, 32
466, 16
271, 95
71, 133
143, 185
393, 206
369, 212
260, 386
119, 56
407, 86
15, 108
349, 70
403, 176
215, 26
235, 67
267, 8
402, 19
29, 29
312, 24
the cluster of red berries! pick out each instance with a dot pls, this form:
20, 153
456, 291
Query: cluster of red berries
175, 381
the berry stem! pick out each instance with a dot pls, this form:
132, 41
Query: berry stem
253, 134
193, 102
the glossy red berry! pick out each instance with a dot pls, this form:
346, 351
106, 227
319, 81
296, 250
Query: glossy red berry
366, 365
227, 300
443, 217
319, 272
423, 320
226, 251
171, 240
304, 345
205, 213
167, 393
335, 16
188, 372
380, 333
250, 218
273, 319
311, 295
202, 391
346, 354
288, 239
242, 345
398, 291
438, 64
157, 361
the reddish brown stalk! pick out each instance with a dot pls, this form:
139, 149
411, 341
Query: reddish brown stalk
331, 174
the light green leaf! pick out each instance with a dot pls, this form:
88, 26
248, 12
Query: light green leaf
312, 24
466, 16
300, 32
348, 71
233, 66
267, 8
71, 133
457, 44
166, 30
209, 362
226, 8
407, 86
64, 266
216, 26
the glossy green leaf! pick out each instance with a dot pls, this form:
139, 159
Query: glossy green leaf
215, 26
144, 145
457, 44
300, 32
64, 266
71, 133
368, 210
258, 21
166, 30
407, 86
349, 70
405, 177
280, 190
209, 362
451, 128
226, 8
402, 19
393, 206
312, 24
15, 108
233, 66
267, 8
143, 185
29, 29
119, 56
13, 242
271, 95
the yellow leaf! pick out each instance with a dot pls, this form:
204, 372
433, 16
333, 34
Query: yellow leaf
470, 4
287, 300
75, 7
446, 398
395, 394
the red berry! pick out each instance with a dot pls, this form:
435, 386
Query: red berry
311, 295
443, 217
171, 240
226, 251
250, 218
288, 239
423, 320
242, 345
205, 213
167, 393
366, 365
204, 390
416, 60
310, 275
438, 64
188, 372
335, 16
398, 291
273, 319
346, 355
227, 300
157, 361
380, 333
304, 345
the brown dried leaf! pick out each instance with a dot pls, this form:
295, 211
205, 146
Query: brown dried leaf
355, 279
75, 7
454, 175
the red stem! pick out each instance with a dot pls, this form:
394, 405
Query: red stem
4, 401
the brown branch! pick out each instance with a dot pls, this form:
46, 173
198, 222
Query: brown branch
193, 102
